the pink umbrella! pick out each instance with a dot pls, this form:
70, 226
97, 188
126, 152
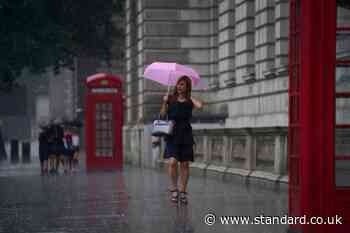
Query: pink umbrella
168, 73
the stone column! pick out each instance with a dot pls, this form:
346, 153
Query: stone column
226, 147
244, 40
250, 151
264, 38
226, 61
140, 61
213, 46
278, 157
131, 86
281, 36
207, 147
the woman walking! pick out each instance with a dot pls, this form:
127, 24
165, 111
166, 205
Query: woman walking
179, 146
43, 149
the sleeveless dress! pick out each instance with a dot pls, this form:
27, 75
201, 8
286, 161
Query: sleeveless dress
179, 145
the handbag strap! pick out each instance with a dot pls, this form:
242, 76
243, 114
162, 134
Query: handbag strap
166, 104
167, 118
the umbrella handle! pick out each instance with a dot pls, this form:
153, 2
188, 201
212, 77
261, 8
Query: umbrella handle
168, 89
169, 83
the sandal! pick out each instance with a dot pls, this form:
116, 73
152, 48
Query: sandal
174, 195
183, 197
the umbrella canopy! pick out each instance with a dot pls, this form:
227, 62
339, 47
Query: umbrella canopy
168, 73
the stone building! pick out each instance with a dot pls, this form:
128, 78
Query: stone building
240, 47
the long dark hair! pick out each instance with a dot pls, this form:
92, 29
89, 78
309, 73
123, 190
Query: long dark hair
187, 94
172, 98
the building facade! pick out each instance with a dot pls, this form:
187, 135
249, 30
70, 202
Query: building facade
240, 48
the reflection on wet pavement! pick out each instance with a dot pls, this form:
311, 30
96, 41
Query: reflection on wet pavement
132, 200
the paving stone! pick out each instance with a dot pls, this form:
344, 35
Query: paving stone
131, 200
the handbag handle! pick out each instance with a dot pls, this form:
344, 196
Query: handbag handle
166, 104
167, 117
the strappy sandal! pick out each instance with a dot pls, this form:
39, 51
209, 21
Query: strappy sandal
183, 197
174, 197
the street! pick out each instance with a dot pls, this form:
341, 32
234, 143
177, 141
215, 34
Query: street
133, 200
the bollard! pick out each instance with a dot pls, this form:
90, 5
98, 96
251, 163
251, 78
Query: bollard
25, 152
14, 151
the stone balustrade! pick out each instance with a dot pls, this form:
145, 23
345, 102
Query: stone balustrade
254, 153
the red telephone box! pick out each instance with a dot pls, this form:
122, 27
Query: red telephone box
104, 121
319, 119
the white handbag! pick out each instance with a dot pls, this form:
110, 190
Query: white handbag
162, 128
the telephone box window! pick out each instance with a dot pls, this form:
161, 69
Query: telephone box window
343, 13
104, 130
342, 78
342, 174
343, 45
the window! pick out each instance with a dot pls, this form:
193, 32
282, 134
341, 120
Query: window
342, 95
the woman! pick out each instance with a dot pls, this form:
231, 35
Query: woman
43, 149
179, 146
68, 149
75, 140
56, 146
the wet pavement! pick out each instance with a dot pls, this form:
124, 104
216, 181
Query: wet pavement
132, 200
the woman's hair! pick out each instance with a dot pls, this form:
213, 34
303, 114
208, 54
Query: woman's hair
173, 97
188, 88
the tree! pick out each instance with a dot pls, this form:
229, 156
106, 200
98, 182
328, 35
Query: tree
344, 3
41, 34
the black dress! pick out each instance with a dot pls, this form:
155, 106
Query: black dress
180, 144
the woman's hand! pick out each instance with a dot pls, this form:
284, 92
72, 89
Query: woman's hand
166, 98
196, 103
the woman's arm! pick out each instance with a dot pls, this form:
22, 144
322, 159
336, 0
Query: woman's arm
163, 108
196, 103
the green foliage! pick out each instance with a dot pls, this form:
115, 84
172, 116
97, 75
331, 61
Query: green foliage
37, 34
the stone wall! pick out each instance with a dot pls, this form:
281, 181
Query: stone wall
240, 47
183, 32
246, 152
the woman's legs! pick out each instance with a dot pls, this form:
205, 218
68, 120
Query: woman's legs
45, 166
172, 171
52, 163
184, 175
41, 167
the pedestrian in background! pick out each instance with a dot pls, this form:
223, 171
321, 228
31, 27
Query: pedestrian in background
179, 145
68, 149
56, 146
43, 148
51, 151
76, 148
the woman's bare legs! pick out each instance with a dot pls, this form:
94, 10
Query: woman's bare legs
172, 171
184, 176
45, 166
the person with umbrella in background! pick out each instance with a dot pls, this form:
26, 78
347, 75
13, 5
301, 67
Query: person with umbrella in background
177, 107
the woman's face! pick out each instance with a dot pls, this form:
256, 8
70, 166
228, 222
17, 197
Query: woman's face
181, 87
